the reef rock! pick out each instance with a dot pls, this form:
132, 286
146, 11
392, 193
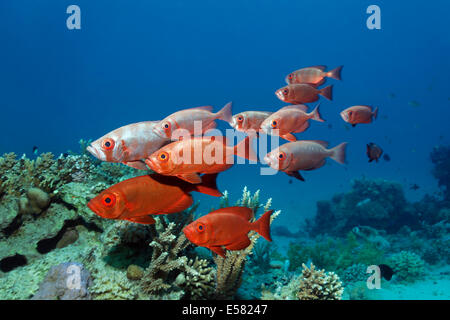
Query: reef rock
66, 281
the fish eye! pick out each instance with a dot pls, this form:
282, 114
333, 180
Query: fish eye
166, 125
350, 113
240, 119
285, 91
109, 200
274, 123
290, 76
201, 227
107, 144
282, 156
163, 156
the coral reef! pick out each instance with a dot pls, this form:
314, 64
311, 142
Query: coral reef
440, 156
319, 285
408, 266
66, 281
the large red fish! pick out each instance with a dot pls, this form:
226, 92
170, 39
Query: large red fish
359, 114
303, 155
313, 75
136, 199
185, 119
128, 144
227, 227
290, 119
299, 93
187, 158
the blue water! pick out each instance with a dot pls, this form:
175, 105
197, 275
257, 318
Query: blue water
141, 60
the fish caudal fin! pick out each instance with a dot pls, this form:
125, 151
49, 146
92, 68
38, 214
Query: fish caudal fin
208, 185
327, 92
316, 114
262, 225
375, 113
338, 153
244, 149
335, 73
225, 113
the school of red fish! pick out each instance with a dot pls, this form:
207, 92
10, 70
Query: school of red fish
185, 160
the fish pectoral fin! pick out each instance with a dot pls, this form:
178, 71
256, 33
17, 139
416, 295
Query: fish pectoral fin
142, 220
136, 165
296, 174
193, 178
289, 137
180, 205
218, 250
240, 244
303, 127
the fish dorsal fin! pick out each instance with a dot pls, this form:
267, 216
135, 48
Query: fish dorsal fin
322, 143
205, 108
319, 67
243, 212
301, 107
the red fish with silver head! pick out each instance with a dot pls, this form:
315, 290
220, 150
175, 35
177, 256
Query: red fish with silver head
303, 155
185, 119
128, 144
314, 76
290, 119
299, 93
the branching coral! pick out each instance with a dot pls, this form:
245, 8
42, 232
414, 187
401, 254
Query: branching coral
319, 285
231, 268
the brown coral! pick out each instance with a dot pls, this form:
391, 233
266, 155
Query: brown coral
318, 285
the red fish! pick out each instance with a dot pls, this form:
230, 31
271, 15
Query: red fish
128, 144
227, 227
185, 119
299, 93
290, 119
374, 152
249, 121
313, 75
187, 158
136, 199
303, 155
359, 114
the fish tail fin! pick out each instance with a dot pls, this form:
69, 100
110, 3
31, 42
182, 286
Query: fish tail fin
245, 150
338, 153
262, 225
327, 92
335, 73
316, 114
375, 113
208, 185
225, 113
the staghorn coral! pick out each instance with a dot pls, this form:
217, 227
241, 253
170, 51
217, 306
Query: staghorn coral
318, 285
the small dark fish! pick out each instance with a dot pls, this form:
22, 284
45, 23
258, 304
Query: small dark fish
374, 152
386, 271
290, 181
330, 126
414, 187
414, 103
35, 150
392, 95
65, 154
386, 157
